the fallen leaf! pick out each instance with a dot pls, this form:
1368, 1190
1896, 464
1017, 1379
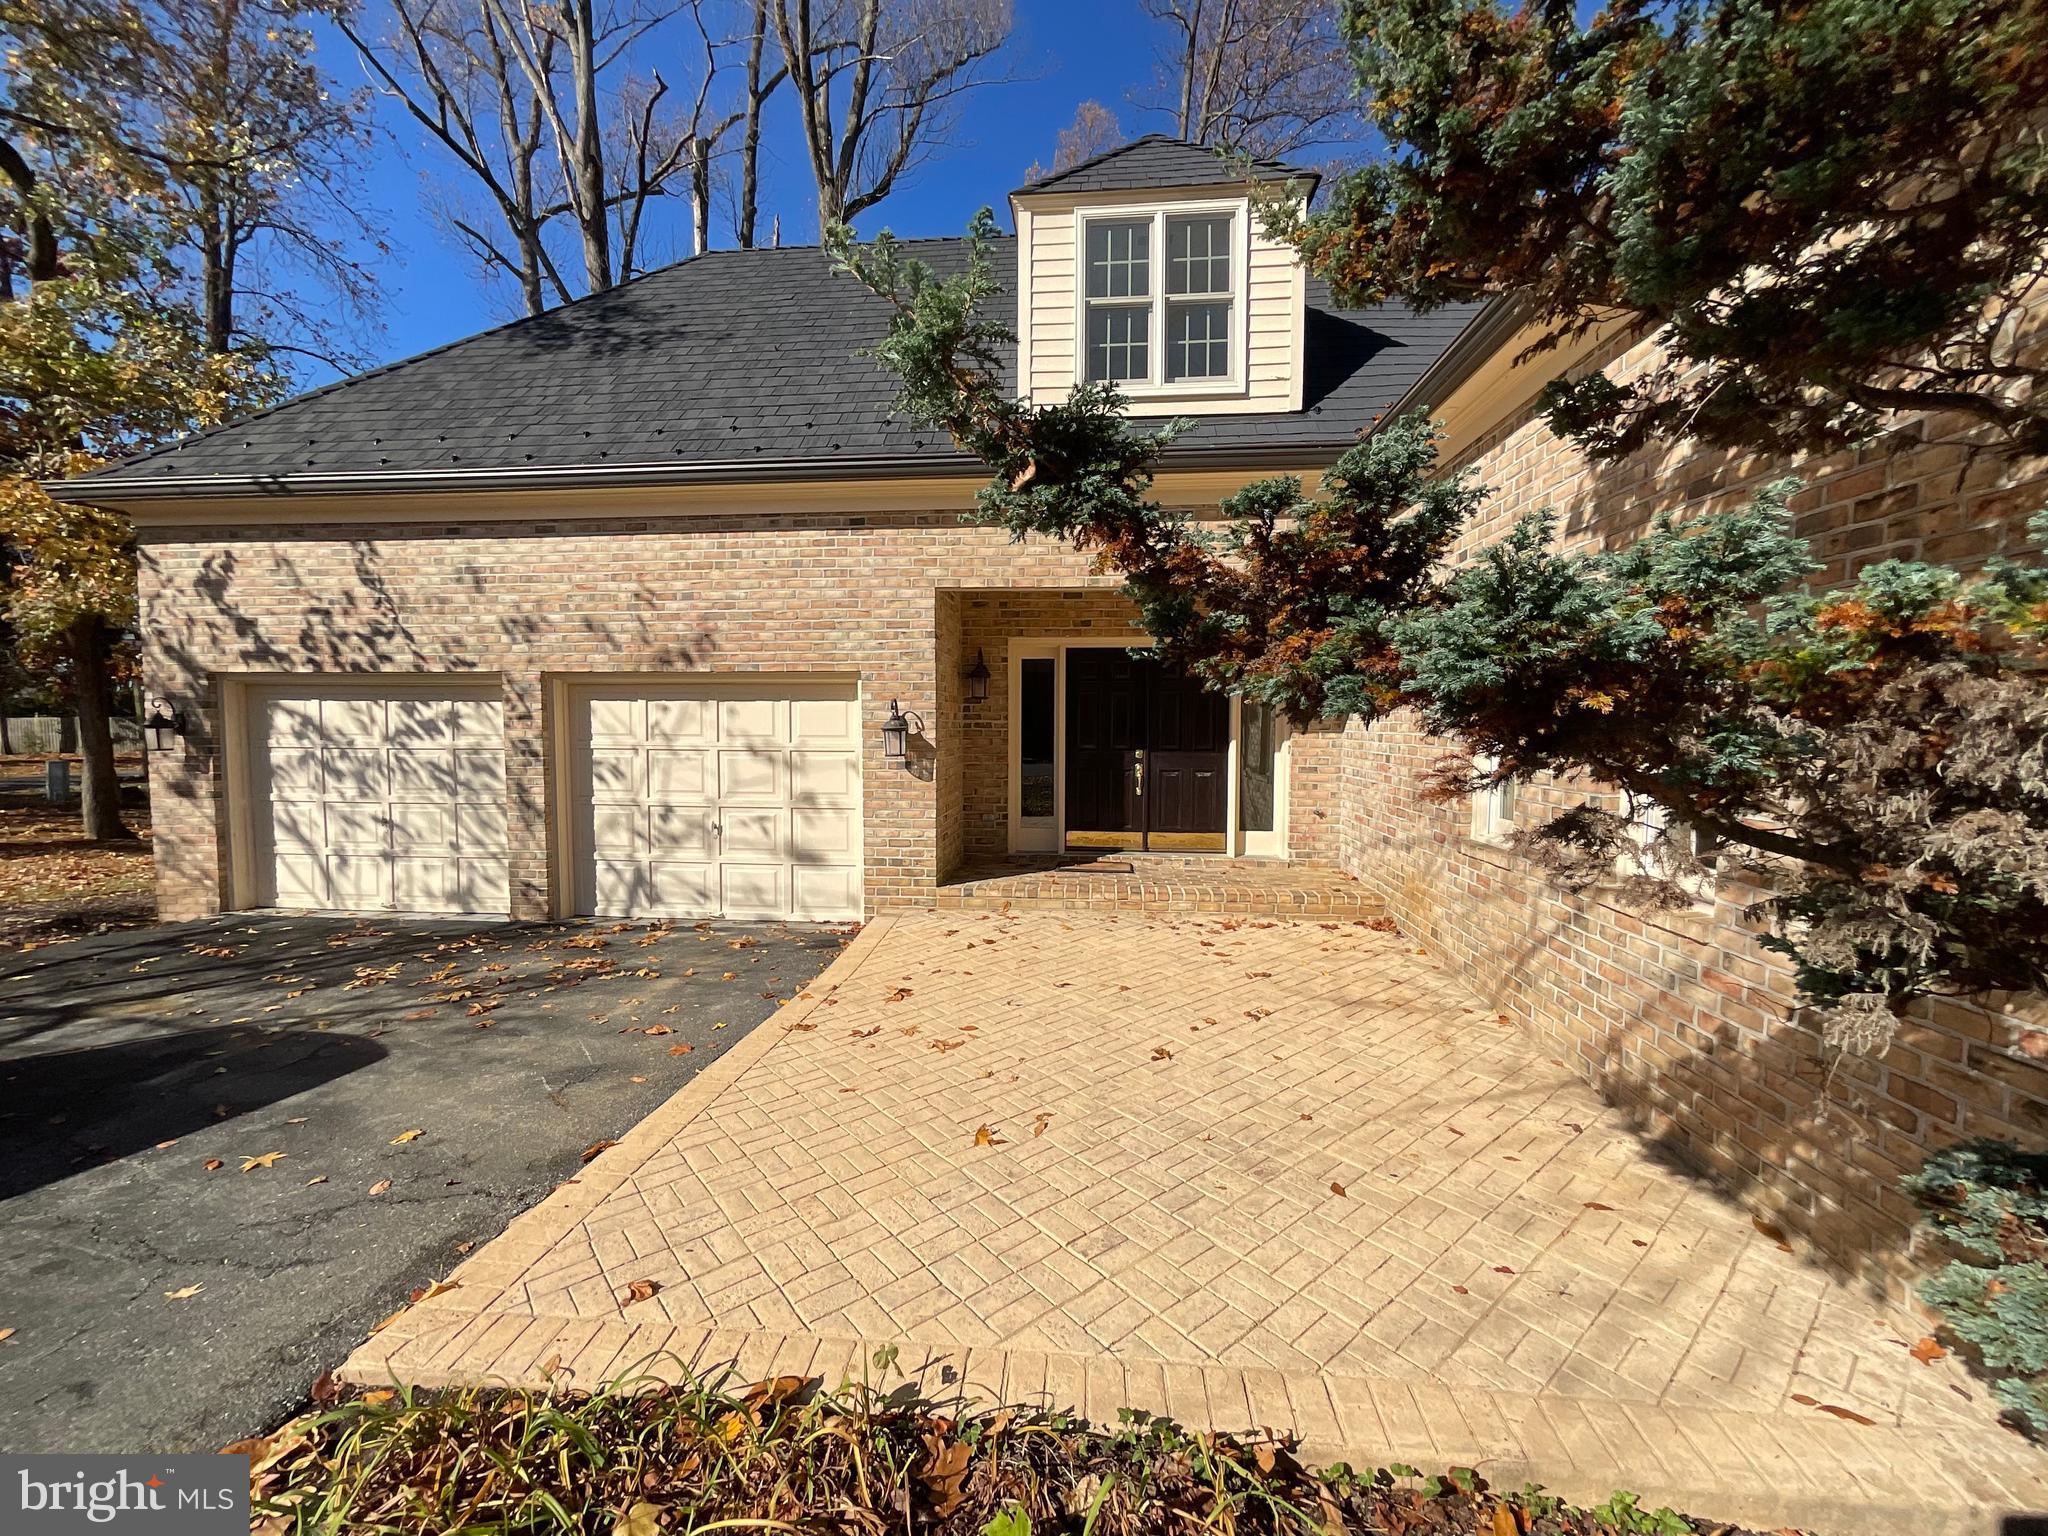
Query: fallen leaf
1038, 1126
1502, 1269
657, 1029
897, 995
1459, 1290
326, 1390
636, 1079
640, 1519
1336, 1188
984, 1137
380, 1186
681, 1050
1927, 1351
6, 1334
598, 1146
1505, 1521
185, 1293
1774, 1233
212, 1165
404, 1136
380, 1397
639, 1290
262, 1160
1161, 1053
318, 1178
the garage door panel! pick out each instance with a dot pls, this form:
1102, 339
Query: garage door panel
615, 774
616, 720
686, 721
823, 722
824, 893
750, 833
679, 775
824, 836
355, 828
750, 774
685, 888
480, 828
379, 797
347, 773
423, 828
752, 890
745, 783
355, 722
358, 880
764, 720
681, 829
422, 775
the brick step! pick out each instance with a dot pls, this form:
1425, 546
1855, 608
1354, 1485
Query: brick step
1158, 886
1807, 1471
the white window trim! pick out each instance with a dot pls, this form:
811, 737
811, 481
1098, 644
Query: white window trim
1493, 810
1156, 386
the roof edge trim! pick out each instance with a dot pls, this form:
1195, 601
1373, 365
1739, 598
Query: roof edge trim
1484, 335
115, 494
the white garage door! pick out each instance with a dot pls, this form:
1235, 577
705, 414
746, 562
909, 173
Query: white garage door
379, 798
733, 797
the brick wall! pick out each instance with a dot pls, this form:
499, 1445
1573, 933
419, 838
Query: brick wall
531, 600
1681, 1019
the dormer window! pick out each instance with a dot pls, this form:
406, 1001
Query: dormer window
1162, 298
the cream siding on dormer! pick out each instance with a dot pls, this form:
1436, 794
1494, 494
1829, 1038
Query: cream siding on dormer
1048, 305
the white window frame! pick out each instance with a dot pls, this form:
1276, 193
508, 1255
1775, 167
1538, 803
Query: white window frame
1648, 819
1493, 810
1156, 385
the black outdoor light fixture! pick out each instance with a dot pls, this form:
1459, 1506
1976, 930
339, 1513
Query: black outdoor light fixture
161, 726
977, 679
896, 735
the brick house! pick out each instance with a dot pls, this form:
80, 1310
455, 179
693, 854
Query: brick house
604, 612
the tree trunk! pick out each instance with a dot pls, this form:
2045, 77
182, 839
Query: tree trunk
593, 213
750, 137
99, 786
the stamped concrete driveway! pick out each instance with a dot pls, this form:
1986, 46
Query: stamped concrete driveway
423, 1083
1242, 1171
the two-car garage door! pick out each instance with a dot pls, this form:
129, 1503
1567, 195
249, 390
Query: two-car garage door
699, 797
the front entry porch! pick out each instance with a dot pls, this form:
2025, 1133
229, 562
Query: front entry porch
1073, 746
1157, 885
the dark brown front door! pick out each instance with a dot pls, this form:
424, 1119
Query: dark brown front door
1147, 756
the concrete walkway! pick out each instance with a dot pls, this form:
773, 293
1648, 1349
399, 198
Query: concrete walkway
1243, 1171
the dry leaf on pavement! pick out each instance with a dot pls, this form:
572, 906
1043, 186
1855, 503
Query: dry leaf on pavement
404, 1136
380, 1186
639, 1290
262, 1160
984, 1137
185, 1292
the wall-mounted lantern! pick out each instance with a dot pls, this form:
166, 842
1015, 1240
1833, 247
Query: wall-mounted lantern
977, 679
896, 735
161, 726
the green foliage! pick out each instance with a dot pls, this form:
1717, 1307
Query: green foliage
1988, 1201
1834, 211
1883, 743
1624, 1513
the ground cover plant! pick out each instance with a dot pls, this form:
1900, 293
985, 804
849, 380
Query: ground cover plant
1987, 1204
636, 1459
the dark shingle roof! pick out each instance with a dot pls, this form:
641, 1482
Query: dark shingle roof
1157, 161
734, 365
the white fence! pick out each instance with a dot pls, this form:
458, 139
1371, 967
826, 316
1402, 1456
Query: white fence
49, 734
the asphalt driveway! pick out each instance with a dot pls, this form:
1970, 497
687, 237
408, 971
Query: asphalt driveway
398, 1090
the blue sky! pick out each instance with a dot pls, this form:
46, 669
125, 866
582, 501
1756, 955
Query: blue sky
1062, 52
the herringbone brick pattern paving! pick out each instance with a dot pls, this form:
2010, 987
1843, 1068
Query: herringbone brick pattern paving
1296, 1154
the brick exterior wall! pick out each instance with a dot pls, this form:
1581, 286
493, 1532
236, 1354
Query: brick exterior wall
899, 602
1681, 1019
